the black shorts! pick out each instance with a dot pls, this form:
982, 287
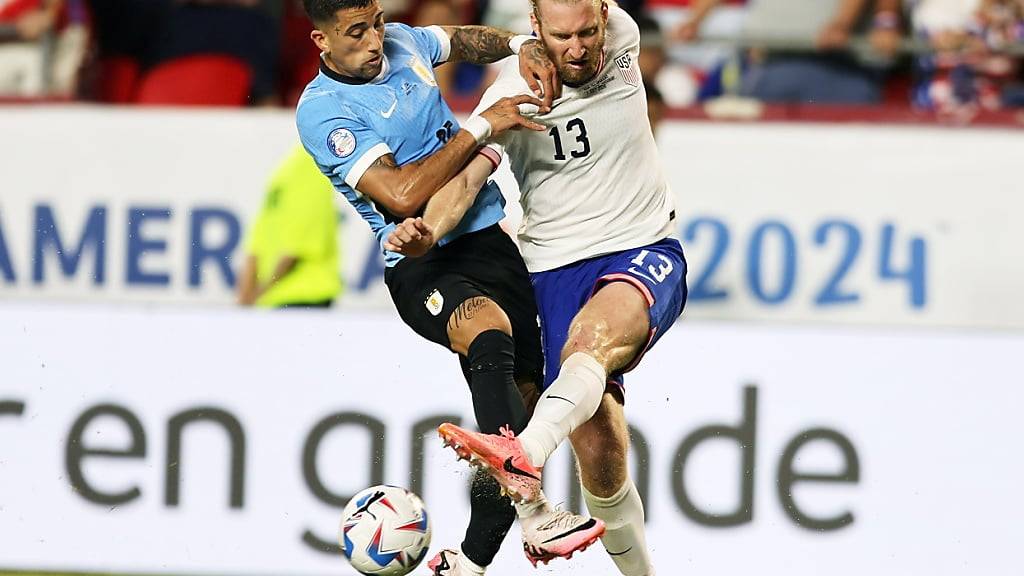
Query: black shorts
486, 263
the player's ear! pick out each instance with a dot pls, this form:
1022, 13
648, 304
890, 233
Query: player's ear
534, 23
604, 11
320, 39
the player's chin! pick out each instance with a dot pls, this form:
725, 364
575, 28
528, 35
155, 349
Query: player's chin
575, 74
372, 69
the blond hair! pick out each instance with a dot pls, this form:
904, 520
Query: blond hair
597, 4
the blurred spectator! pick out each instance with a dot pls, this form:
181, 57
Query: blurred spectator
967, 70
292, 248
886, 35
249, 30
24, 27
70, 46
675, 81
689, 28
827, 75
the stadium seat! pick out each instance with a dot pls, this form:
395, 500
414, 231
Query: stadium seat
205, 80
118, 80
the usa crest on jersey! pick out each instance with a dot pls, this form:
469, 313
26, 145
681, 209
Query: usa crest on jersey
628, 69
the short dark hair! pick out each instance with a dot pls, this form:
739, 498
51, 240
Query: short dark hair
324, 11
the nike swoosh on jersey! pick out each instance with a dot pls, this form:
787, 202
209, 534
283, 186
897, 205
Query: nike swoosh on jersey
585, 526
390, 110
513, 470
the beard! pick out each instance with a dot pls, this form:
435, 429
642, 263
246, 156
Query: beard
576, 76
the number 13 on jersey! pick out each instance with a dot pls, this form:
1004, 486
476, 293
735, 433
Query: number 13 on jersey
656, 272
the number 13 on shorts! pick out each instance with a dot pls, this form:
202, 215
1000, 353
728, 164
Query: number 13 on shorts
653, 269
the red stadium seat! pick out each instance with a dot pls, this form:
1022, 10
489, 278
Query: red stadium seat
206, 80
118, 80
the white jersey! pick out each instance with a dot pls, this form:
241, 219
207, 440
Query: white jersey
592, 183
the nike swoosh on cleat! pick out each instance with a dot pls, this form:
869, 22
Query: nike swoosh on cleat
560, 398
511, 469
444, 564
585, 526
626, 551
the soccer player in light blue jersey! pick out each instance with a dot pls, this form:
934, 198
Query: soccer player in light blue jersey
375, 122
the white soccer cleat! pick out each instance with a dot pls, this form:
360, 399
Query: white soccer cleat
447, 563
558, 534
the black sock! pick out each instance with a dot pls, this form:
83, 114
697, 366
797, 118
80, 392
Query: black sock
491, 517
496, 399
496, 403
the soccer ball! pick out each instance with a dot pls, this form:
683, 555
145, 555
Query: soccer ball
384, 531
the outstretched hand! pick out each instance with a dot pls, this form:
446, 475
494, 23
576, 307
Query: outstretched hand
505, 114
413, 238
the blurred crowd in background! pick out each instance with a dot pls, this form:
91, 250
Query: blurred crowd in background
939, 55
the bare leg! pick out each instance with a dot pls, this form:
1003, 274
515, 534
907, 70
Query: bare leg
601, 446
606, 335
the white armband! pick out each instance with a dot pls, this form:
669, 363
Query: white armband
479, 127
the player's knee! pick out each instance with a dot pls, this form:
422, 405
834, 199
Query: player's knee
491, 351
474, 317
588, 336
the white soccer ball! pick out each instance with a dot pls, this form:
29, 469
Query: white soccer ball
385, 531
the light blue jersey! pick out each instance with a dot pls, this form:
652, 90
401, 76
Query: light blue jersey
346, 127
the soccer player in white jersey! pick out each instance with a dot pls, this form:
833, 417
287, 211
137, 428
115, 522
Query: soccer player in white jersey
608, 279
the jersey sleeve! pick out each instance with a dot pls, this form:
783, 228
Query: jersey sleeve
508, 83
342, 145
432, 42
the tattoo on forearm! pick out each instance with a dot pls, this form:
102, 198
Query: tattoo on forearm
466, 312
479, 44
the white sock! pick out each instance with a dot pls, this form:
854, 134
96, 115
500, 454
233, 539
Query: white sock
572, 399
527, 510
624, 537
467, 566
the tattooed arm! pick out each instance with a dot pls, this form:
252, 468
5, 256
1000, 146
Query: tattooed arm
483, 45
478, 44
